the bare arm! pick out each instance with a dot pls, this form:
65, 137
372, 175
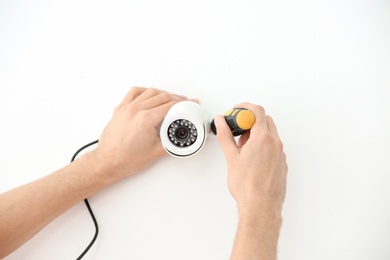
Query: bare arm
29, 208
257, 181
128, 144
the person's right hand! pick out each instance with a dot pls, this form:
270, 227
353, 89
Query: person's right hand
257, 164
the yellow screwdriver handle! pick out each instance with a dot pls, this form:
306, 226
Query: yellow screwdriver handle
238, 119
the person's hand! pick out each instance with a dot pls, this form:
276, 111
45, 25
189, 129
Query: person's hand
130, 142
257, 163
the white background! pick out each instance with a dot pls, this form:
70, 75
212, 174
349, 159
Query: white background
320, 68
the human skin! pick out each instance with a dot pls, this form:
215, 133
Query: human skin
128, 144
257, 174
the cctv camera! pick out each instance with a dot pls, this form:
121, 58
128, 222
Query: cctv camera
184, 129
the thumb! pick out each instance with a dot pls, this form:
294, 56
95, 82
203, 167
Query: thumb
225, 137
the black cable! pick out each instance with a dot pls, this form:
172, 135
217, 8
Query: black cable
87, 204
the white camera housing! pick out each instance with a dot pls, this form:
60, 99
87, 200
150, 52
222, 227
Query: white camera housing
185, 128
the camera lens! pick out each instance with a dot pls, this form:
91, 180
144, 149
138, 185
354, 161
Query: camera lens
182, 133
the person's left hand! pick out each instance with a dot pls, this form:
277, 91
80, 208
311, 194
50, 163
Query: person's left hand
130, 142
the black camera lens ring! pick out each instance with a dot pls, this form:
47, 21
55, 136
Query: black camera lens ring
182, 133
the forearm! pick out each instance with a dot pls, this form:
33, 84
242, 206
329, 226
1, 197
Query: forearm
257, 236
25, 210
128, 144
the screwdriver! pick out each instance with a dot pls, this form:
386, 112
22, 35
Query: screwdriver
239, 120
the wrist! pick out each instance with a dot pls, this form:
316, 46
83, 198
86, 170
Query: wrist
101, 168
261, 212
257, 233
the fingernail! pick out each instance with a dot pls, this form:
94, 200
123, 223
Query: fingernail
195, 100
214, 124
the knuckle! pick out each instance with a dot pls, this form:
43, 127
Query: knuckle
260, 108
220, 134
118, 108
132, 109
164, 96
279, 144
153, 91
256, 109
286, 168
135, 89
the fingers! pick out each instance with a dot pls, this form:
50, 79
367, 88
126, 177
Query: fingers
262, 120
152, 92
258, 111
157, 107
148, 98
132, 95
153, 101
225, 138
158, 113
158, 100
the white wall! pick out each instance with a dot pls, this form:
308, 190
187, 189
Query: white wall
320, 68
